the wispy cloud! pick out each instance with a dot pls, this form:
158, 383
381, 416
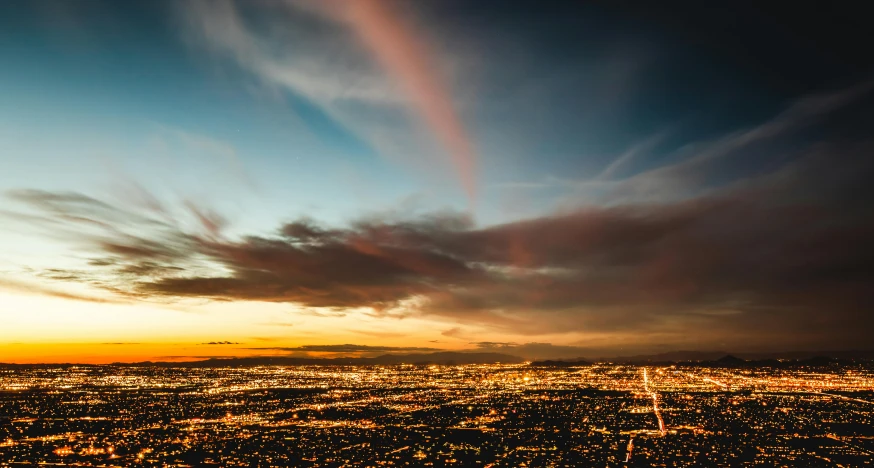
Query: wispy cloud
41, 290
378, 334
277, 324
327, 66
695, 163
637, 150
408, 60
698, 160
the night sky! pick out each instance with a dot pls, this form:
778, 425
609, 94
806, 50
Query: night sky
355, 177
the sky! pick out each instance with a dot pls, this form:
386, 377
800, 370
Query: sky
182, 180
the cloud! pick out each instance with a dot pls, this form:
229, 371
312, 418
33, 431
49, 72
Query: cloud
135, 241
349, 59
711, 164
494, 344
703, 163
220, 343
453, 332
277, 324
635, 151
778, 260
41, 290
266, 338
407, 59
378, 334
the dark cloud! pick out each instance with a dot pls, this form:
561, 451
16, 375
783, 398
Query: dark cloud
783, 260
495, 344
220, 343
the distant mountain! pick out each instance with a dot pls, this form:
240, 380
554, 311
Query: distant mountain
736, 362
820, 361
729, 360
726, 358
560, 363
807, 355
673, 356
448, 358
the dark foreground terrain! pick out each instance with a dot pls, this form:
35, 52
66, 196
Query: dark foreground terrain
473, 415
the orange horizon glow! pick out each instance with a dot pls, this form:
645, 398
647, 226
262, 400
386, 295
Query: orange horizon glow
96, 353
52, 329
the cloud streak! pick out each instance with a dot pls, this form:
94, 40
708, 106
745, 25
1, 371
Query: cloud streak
41, 290
356, 86
407, 60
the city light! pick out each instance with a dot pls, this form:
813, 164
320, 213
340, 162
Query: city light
473, 415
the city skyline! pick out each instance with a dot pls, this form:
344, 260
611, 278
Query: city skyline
189, 180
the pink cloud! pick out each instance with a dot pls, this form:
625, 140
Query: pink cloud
409, 62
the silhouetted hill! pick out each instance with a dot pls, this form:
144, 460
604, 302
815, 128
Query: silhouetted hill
729, 360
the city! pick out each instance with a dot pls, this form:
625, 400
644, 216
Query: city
429, 415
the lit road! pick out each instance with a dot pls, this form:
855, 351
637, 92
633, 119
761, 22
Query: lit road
655, 402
